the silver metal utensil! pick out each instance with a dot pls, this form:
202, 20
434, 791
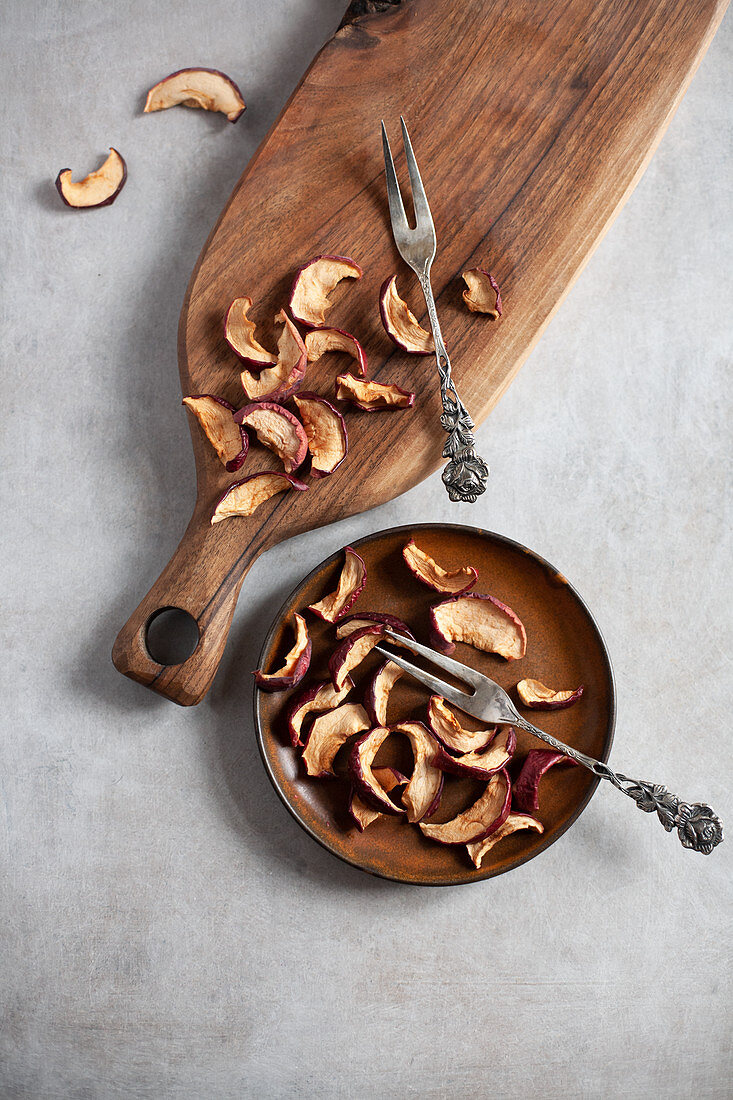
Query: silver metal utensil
697, 826
466, 474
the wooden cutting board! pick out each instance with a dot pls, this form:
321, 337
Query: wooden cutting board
532, 123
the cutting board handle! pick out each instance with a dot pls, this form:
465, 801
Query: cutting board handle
203, 578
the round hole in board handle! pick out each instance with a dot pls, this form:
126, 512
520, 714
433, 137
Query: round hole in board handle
171, 635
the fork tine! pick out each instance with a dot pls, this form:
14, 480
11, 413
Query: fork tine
461, 672
458, 698
396, 208
423, 217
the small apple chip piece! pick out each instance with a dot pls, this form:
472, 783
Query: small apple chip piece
450, 732
207, 88
350, 585
536, 696
294, 666
239, 333
278, 430
477, 849
361, 619
352, 651
320, 340
216, 417
314, 281
99, 188
484, 763
376, 696
281, 380
371, 396
478, 620
365, 783
245, 496
482, 292
427, 570
480, 820
525, 793
401, 325
313, 699
421, 796
328, 733
364, 815
325, 427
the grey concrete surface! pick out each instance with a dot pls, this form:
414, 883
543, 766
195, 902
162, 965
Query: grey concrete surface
167, 929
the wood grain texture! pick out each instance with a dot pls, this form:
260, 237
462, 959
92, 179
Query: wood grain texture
532, 124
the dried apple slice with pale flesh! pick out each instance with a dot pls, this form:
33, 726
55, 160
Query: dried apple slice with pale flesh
99, 188
421, 796
478, 620
328, 733
365, 783
325, 428
313, 699
536, 696
427, 570
295, 665
477, 849
376, 696
314, 282
451, 734
321, 340
372, 396
352, 651
207, 88
216, 417
239, 333
484, 763
360, 619
277, 429
284, 377
363, 815
482, 293
481, 819
351, 583
525, 792
400, 323
245, 496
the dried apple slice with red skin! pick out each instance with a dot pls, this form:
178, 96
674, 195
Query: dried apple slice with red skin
421, 796
277, 429
295, 665
99, 188
446, 728
362, 775
360, 619
536, 696
328, 733
325, 427
525, 791
376, 696
400, 323
244, 497
372, 396
478, 620
480, 820
484, 764
321, 340
239, 333
363, 815
216, 417
315, 698
207, 88
314, 282
477, 849
283, 378
351, 583
352, 651
482, 293
454, 582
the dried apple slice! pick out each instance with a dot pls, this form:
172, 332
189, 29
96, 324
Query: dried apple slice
280, 381
99, 188
525, 792
360, 619
352, 651
216, 417
315, 698
451, 734
536, 696
364, 815
278, 430
478, 620
421, 796
427, 570
314, 281
365, 783
376, 696
484, 763
328, 733
480, 820
350, 585
482, 293
400, 323
320, 340
477, 849
295, 665
372, 396
207, 88
325, 427
245, 496
239, 333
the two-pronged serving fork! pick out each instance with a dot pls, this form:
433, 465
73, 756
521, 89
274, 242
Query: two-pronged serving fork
697, 826
465, 474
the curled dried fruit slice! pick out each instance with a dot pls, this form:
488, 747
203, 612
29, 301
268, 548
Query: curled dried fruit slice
99, 188
371, 396
207, 88
320, 340
450, 732
427, 570
245, 496
478, 821
477, 849
328, 440
352, 651
536, 696
525, 792
484, 763
400, 324
376, 696
216, 417
351, 582
421, 796
364, 815
281, 380
481, 621
295, 665
313, 699
278, 430
314, 282
482, 292
365, 618
239, 333
365, 782
328, 733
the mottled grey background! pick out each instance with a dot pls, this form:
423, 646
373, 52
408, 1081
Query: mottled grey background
168, 931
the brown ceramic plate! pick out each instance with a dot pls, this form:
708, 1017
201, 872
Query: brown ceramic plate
564, 649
